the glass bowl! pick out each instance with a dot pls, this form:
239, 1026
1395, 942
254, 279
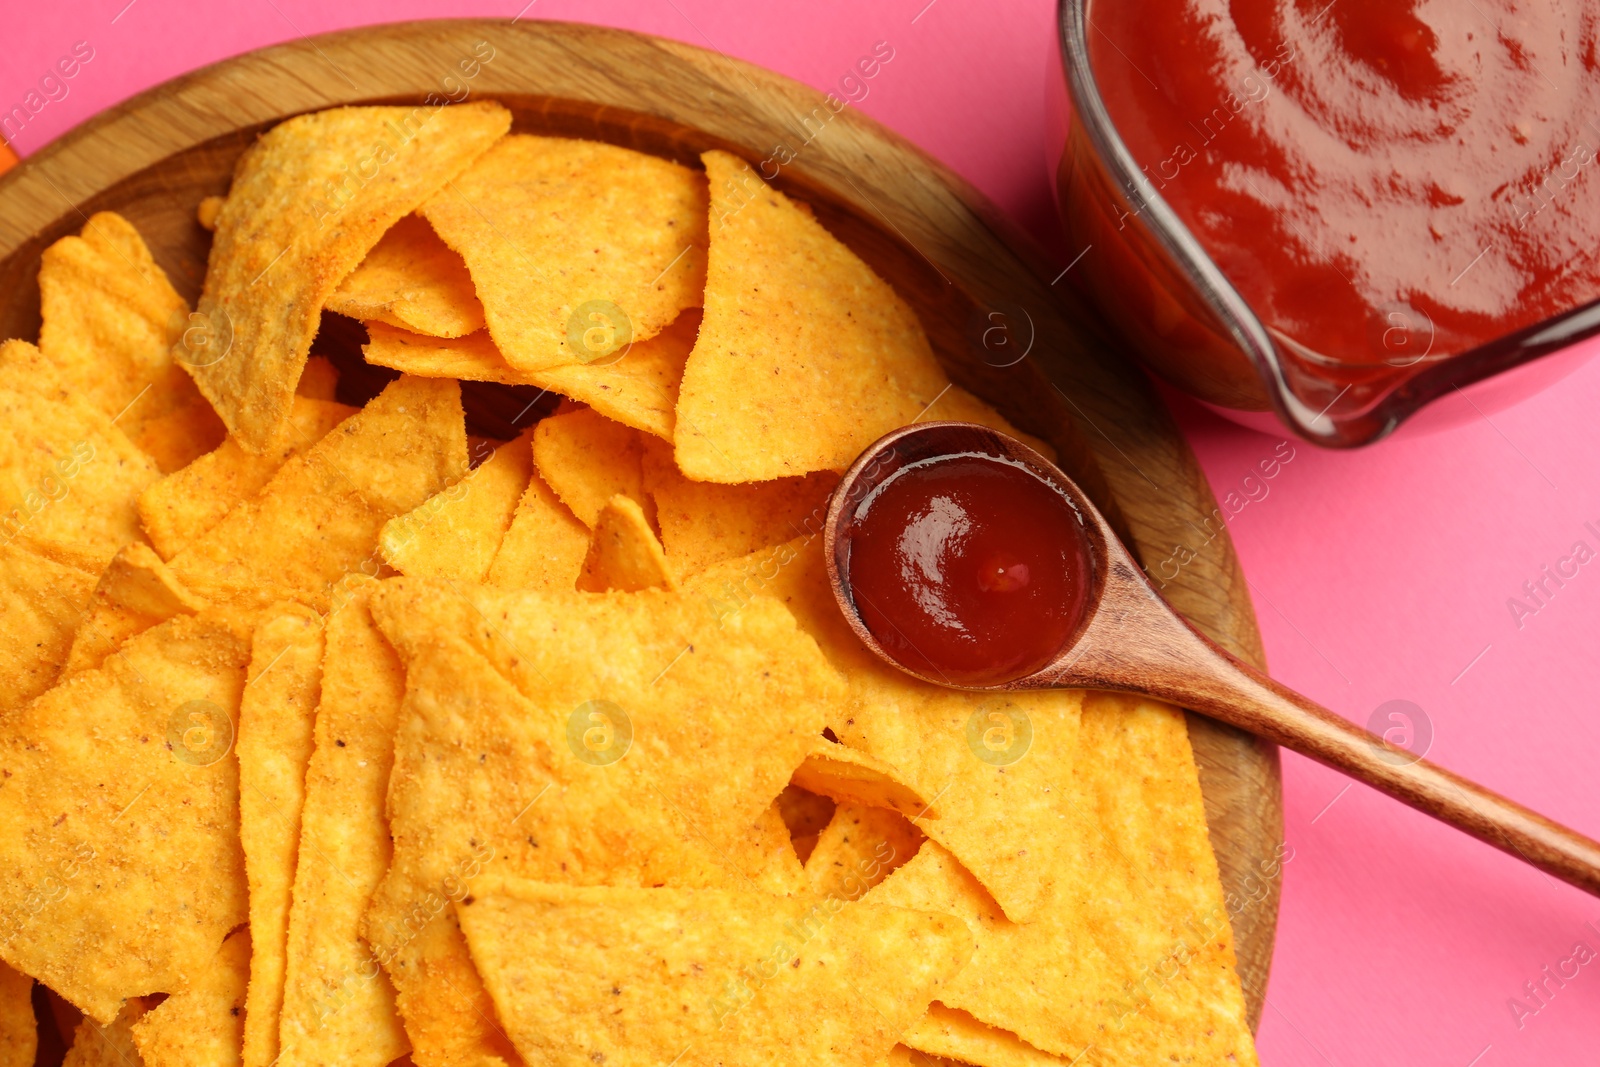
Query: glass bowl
1150, 277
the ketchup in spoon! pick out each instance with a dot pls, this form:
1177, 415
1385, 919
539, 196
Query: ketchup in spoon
969, 567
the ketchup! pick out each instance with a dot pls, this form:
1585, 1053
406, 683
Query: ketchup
1384, 181
969, 568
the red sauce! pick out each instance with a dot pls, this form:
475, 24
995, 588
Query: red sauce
969, 568
1383, 180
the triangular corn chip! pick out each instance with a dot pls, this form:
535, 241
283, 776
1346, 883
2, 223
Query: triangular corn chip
858, 848
276, 716
955, 1035
472, 358
805, 815
319, 517
456, 532
575, 247
995, 765
958, 405
615, 766
1134, 956
319, 381
412, 280
851, 776
121, 884
68, 476
768, 860
111, 1045
637, 387
544, 547
805, 356
663, 658
901, 1056
110, 318
587, 459
41, 606
644, 977
337, 1006
704, 523
624, 554
485, 779
19, 1031
204, 1023
135, 592
309, 200
187, 503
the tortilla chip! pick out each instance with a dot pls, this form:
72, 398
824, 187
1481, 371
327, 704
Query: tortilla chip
41, 605
955, 1035
900, 1056
456, 532
804, 812
575, 247
135, 592
302, 214
472, 358
68, 477
184, 505
805, 356
19, 1031
637, 387
1134, 956
412, 280
108, 1046
958, 405
110, 318
337, 1006
506, 765
637, 977
851, 776
204, 1023
624, 553
805, 815
319, 381
482, 777
275, 741
994, 765
767, 858
703, 523
544, 547
588, 459
319, 517
122, 871
858, 849
727, 682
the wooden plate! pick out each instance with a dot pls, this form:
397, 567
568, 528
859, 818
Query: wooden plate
979, 285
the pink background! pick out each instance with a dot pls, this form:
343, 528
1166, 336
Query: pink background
1378, 575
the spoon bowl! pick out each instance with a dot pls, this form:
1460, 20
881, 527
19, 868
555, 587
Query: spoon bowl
1129, 639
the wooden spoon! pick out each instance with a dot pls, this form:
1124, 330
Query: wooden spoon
1132, 640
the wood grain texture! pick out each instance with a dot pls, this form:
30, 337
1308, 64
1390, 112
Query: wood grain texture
946, 249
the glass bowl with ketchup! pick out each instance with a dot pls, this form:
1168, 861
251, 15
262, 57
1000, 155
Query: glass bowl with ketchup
1337, 211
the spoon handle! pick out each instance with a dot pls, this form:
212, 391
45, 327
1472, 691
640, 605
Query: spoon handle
1144, 646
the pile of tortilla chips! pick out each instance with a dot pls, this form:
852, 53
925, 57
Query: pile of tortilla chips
328, 736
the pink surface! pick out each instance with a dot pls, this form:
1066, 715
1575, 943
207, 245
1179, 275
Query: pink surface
1379, 575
